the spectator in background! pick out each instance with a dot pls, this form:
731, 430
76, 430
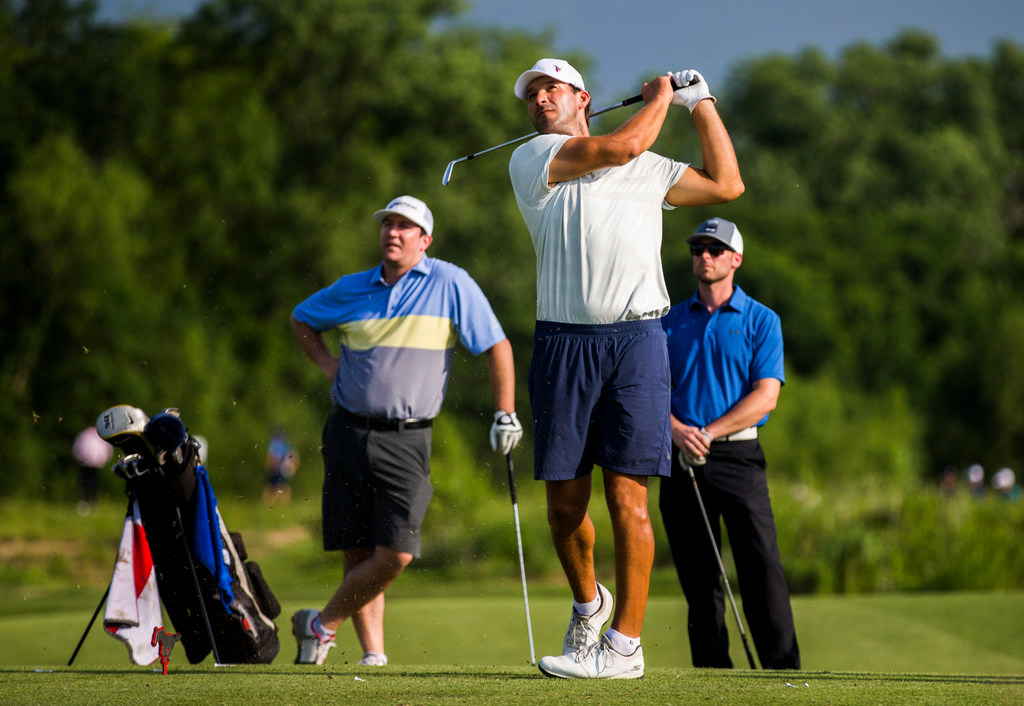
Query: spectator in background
976, 480
948, 483
282, 462
91, 453
399, 323
1004, 482
726, 356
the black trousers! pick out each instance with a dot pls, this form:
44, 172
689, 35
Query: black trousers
734, 487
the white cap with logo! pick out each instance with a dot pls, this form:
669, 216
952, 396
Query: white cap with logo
408, 207
554, 68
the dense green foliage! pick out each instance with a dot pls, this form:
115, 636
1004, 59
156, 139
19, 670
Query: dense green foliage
169, 193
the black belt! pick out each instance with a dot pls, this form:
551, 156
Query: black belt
382, 423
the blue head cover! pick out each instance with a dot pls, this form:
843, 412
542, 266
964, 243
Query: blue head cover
166, 432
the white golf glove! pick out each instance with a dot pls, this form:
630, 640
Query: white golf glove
686, 459
694, 88
505, 432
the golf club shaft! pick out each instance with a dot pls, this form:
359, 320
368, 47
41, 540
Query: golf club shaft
522, 563
448, 171
721, 567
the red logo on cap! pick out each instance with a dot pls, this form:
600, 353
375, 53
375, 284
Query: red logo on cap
558, 68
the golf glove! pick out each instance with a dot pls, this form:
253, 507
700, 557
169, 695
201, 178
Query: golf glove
694, 88
505, 432
686, 459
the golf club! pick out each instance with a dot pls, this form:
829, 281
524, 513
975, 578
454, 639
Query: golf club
448, 170
522, 564
718, 556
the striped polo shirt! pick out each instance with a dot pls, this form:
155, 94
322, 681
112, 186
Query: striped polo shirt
397, 340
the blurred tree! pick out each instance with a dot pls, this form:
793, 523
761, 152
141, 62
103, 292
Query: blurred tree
169, 192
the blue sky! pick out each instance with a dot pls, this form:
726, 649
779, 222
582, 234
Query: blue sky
629, 41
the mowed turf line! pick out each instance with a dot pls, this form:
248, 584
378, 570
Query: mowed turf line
287, 684
939, 648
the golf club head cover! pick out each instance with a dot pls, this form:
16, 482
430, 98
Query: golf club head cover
506, 431
694, 88
166, 432
121, 424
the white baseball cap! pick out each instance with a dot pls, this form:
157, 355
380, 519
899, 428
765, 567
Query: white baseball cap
554, 68
721, 230
408, 207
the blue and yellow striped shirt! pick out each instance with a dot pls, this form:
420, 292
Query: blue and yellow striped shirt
397, 341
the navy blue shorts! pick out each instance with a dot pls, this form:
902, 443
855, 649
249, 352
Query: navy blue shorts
600, 395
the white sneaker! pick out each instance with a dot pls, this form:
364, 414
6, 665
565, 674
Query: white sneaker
312, 647
373, 659
599, 662
585, 632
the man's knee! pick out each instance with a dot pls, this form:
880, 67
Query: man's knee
391, 561
626, 497
567, 503
565, 518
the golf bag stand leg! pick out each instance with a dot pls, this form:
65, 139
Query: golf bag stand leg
89, 626
95, 613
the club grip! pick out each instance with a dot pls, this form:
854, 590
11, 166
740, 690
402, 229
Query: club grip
638, 98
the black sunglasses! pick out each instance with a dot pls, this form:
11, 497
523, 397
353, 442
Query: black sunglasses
715, 249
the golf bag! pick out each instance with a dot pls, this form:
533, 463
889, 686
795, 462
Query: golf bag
216, 598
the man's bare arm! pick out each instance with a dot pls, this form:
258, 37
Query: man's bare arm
312, 342
503, 376
585, 154
719, 180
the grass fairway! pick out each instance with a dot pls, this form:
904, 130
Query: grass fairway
467, 640
929, 648
287, 684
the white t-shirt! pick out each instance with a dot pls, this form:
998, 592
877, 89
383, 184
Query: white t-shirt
598, 237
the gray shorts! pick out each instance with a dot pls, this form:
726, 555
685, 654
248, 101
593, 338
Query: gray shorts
376, 486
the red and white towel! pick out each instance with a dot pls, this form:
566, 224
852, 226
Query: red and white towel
133, 604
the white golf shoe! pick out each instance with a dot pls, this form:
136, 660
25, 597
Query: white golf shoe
601, 661
585, 632
312, 648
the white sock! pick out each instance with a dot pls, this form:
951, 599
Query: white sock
590, 607
622, 644
319, 629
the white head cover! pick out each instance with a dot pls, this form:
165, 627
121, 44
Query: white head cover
120, 422
554, 68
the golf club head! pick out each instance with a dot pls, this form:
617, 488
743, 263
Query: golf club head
448, 173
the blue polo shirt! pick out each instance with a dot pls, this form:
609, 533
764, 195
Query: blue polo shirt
397, 340
714, 358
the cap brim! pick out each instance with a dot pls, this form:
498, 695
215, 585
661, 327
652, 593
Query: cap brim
523, 82
379, 217
697, 236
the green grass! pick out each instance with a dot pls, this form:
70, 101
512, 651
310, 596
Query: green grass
466, 639
499, 685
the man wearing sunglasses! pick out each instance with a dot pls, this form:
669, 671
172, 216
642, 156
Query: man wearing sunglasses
726, 360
